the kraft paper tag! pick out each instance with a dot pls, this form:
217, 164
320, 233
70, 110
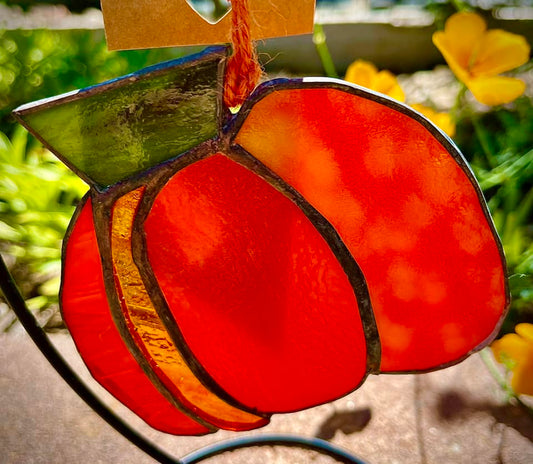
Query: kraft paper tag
137, 24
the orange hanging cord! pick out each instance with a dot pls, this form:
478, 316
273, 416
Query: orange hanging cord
243, 70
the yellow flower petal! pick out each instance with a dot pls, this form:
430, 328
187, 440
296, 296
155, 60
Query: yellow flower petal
496, 90
522, 381
441, 120
361, 73
499, 51
462, 32
525, 330
385, 82
365, 74
511, 346
442, 43
444, 121
519, 348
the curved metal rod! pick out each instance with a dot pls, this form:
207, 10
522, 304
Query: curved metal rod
314, 444
37, 334
26, 318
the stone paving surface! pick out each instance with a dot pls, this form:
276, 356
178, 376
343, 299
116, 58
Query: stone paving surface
454, 416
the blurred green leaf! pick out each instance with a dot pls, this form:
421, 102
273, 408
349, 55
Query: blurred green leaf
503, 164
37, 198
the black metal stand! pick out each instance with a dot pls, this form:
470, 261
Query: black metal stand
18, 305
314, 444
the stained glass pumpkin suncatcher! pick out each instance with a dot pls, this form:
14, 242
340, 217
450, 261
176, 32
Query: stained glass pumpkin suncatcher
223, 268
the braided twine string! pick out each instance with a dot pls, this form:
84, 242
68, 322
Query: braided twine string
243, 70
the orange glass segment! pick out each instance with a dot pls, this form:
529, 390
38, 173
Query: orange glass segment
260, 298
87, 315
150, 334
404, 207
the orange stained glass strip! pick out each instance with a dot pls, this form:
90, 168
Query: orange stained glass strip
86, 312
151, 336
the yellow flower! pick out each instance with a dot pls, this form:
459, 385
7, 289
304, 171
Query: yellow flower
477, 56
366, 75
442, 120
517, 349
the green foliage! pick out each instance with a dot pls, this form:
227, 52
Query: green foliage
73, 5
500, 145
37, 198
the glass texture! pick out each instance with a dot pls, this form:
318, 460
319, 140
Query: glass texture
150, 334
114, 130
404, 207
260, 298
87, 315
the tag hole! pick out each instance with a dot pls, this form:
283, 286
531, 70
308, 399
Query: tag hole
211, 10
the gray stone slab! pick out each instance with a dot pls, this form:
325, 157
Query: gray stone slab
454, 416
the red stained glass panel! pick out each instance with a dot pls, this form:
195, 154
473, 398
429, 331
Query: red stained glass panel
406, 209
260, 298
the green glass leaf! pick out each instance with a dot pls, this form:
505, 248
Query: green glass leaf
122, 127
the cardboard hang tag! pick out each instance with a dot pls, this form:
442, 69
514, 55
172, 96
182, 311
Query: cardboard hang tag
134, 24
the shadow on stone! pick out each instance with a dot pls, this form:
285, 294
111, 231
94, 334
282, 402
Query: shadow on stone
453, 405
347, 422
